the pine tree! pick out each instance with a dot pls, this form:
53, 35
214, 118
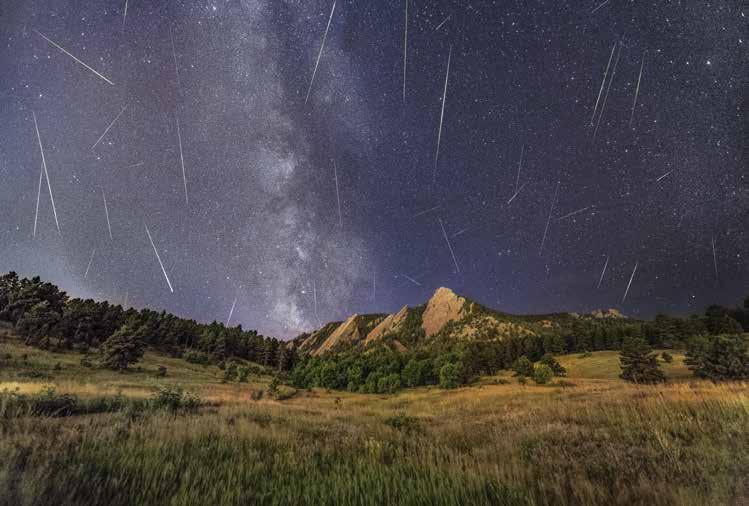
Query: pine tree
123, 348
638, 364
719, 358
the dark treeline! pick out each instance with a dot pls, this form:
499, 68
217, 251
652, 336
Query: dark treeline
47, 318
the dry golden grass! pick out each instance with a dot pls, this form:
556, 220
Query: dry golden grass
601, 441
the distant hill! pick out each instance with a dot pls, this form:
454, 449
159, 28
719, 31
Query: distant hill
445, 317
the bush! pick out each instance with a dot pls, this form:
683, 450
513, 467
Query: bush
389, 384
195, 357
667, 358
86, 362
230, 372
174, 399
552, 363
242, 374
449, 376
161, 371
542, 374
404, 423
523, 367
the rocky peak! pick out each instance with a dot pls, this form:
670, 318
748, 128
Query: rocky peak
444, 306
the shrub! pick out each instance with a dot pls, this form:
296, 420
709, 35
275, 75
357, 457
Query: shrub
556, 368
542, 374
195, 357
666, 356
174, 399
404, 423
389, 384
230, 372
242, 374
449, 376
86, 362
523, 367
161, 371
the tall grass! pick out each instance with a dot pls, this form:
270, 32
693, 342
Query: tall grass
600, 442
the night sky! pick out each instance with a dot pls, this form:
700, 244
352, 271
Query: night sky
261, 220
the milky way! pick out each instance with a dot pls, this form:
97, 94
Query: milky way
280, 211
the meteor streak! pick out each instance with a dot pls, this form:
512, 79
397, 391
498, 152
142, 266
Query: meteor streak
573, 213
603, 272
46, 174
442, 115
106, 212
38, 196
449, 246
630, 282
412, 280
608, 89
314, 72
337, 194
405, 51
159, 259
516, 193
107, 129
551, 210
73, 57
182, 160
664, 176
231, 311
90, 260
637, 91
603, 83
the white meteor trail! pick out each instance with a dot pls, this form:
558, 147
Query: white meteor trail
174, 57
107, 129
599, 6
337, 194
90, 260
516, 193
443, 22
374, 286
182, 159
630, 282
412, 280
449, 246
520, 166
551, 210
231, 311
637, 91
124, 17
603, 83
603, 272
159, 259
73, 57
322, 46
124, 304
664, 176
405, 51
46, 174
420, 213
314, 295
715, 260
106, 212
38, 196
442, 115
608, 89
573, 213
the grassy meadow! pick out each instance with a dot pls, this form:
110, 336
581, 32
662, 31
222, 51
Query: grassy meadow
587, 439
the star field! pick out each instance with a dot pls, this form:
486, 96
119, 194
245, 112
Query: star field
261, 221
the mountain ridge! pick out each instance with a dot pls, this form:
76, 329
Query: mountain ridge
445, 316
